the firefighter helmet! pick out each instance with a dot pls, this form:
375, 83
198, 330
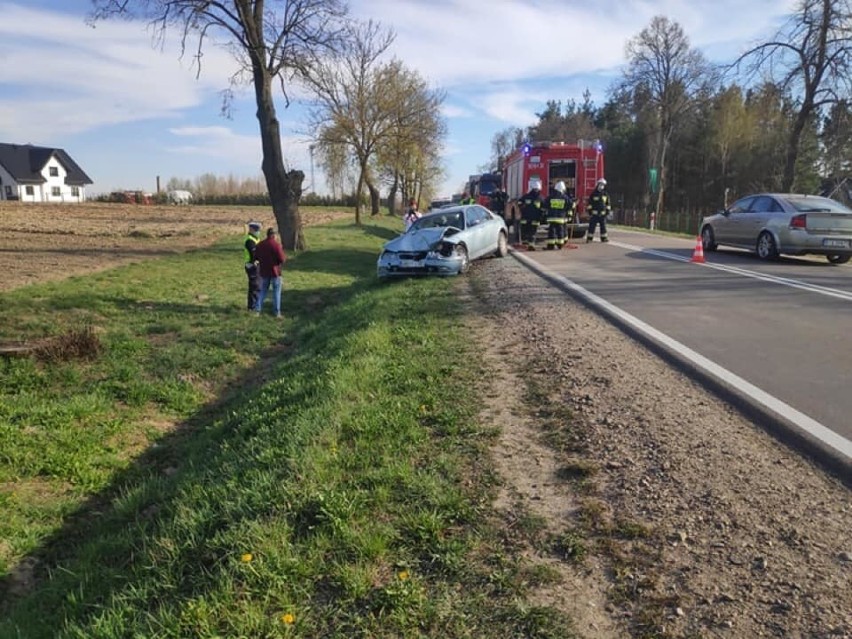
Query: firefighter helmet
601, 182
560, 186
535, 184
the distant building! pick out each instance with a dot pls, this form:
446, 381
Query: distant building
39, 174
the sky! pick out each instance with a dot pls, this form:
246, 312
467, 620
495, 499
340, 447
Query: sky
128, 110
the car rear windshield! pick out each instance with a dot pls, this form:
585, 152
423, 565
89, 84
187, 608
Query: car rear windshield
822, 204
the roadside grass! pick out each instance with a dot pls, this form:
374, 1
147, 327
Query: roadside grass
212, 473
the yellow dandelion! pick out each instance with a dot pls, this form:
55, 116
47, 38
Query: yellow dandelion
287, 619
403, 575
246, 557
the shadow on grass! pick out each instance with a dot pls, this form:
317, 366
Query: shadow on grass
381, 232
220, 443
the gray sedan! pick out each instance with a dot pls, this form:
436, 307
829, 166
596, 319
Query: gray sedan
771, 224
444, 243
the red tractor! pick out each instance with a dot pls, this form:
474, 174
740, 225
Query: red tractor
579, 165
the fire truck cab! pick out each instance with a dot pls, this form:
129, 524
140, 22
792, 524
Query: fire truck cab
482, 186
579, 165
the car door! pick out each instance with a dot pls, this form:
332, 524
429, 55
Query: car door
728, 228
475, 231
757, 218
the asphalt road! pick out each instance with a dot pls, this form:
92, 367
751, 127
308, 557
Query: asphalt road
784, 326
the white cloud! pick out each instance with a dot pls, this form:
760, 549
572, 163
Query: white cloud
240, 150
454, 111
458, 43
68, 77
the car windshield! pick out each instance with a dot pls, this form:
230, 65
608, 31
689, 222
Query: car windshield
439, 220
487, 187
817, 204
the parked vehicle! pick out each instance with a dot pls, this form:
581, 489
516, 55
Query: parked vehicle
445, 242
440, 203
773, 224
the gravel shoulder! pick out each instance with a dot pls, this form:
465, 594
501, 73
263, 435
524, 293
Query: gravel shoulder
698, 523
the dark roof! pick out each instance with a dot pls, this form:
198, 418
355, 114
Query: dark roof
24, 162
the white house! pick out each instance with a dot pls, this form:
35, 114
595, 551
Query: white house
39, 174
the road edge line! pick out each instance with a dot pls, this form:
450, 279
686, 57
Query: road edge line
829, 449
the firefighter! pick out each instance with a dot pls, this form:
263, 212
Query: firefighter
252, 271
559, 212
531, 209
467, 199
599, 208
497, 202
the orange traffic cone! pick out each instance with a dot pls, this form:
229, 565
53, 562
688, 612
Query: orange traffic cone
698, 253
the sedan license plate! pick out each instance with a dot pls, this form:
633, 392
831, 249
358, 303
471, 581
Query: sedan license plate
836, 243
409, 263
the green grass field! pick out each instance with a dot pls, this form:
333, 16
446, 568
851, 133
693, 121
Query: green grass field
209, 473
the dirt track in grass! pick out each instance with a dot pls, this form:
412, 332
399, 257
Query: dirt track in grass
696, 522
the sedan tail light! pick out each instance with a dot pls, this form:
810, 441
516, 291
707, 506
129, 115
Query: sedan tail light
799, 221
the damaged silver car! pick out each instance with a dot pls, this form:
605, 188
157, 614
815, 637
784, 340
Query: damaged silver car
445, 243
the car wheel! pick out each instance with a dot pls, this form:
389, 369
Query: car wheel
838, 259
708, 239
461, 251
766, 248
502, 245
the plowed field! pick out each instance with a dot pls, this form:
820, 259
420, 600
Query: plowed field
41, 242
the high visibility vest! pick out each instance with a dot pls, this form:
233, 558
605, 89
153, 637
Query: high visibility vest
557, 210
249, 257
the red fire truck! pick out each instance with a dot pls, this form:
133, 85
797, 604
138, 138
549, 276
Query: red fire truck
482, 186
579, 165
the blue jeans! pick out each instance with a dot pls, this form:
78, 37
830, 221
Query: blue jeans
276, 293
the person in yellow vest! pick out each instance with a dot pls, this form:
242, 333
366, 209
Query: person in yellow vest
598, 208
467, 199
559, 212
252, 271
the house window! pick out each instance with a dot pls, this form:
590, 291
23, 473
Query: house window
75, 191
54, 171
30, 190
55, 192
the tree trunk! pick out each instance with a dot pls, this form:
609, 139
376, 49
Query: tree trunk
392, 195
793, 149
285, 188
358, 197
661, 183
375, 200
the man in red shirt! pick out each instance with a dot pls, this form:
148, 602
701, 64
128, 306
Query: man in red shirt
270, 257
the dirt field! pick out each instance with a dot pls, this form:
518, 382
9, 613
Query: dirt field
42, 242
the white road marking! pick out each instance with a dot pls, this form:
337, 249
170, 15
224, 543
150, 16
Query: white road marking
784, 281
806, 424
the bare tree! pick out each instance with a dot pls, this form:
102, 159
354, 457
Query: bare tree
812, 54
409, 152
669, 74
503, 143
372, 107
270, 39
351, 106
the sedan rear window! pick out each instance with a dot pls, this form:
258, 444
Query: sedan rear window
822, 204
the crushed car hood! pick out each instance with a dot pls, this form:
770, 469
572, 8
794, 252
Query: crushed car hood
421, 240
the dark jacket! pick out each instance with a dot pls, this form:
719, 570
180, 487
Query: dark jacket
271, 256
599, 202
531, 205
